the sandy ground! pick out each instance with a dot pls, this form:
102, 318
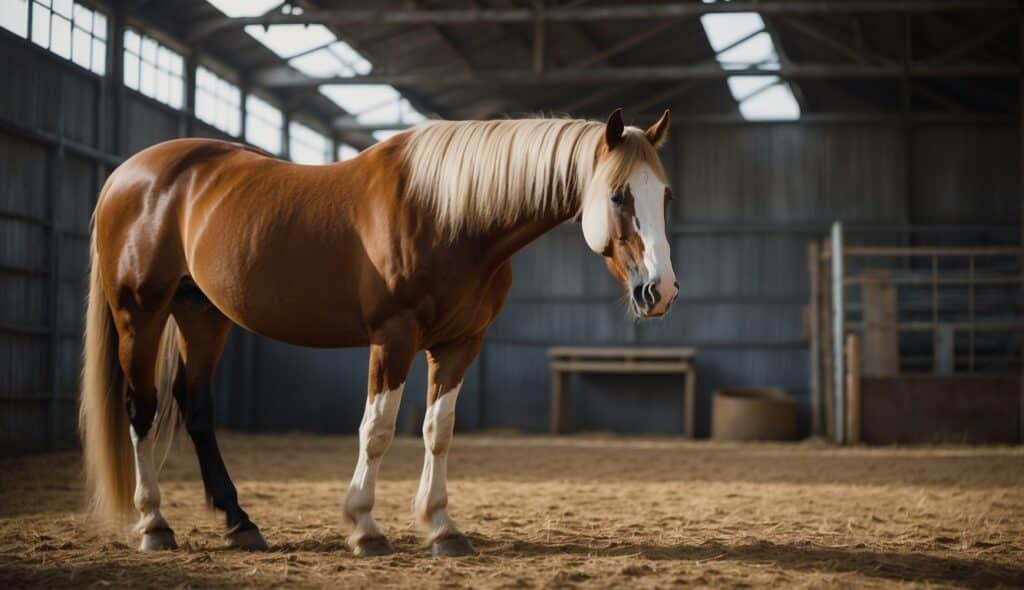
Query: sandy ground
577, 511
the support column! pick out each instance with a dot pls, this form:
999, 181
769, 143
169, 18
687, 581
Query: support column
286, 147
1020, 98
118, 143
838, 330
907, 108
53, 189
187, 127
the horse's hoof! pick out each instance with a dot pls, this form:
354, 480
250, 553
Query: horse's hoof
158, 540
247, 540
452, 546
373, 547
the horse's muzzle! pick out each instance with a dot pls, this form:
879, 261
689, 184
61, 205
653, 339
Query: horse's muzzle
653, 298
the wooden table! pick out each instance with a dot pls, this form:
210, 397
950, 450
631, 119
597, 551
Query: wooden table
599, 359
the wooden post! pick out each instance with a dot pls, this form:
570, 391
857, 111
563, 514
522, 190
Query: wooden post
825, 329
814, 336
853, 389
881, 352
555, 423
690, 419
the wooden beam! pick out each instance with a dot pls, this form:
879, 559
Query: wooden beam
972, 42
285, 77
472, 16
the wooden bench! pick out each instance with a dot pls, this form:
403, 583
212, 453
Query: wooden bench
655, 361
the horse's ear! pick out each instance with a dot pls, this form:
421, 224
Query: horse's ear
658, 133
614, 129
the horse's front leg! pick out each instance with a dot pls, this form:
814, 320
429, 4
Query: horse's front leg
447, 367
389, 366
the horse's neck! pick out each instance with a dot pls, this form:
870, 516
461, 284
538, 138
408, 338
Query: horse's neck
503, 242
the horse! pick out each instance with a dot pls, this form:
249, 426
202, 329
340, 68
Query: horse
404, 248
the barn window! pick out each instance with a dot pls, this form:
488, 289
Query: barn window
153, 69
218, 102
308, 146
66, 28
373, 104
316, 52
14, 16
346, 152
263, 124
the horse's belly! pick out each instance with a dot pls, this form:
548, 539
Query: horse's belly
307, 300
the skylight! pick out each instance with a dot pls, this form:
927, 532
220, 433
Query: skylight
384, 135
291, 40
373, 103
346, 152
741, 42
235, 8
316, 52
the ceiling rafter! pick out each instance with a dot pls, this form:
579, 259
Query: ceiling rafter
594, 13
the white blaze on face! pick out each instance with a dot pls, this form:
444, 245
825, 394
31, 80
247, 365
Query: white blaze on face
649, 204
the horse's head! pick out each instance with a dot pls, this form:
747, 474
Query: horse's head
624, 210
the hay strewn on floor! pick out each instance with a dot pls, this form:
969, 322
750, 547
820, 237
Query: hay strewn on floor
578, 511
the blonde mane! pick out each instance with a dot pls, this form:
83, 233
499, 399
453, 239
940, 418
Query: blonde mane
477, 175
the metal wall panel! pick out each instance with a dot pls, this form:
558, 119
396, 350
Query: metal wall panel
745, 197
966, 174
745, 200
149, 122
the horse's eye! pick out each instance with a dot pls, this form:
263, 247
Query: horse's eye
618, 199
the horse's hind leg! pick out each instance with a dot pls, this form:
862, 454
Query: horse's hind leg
202, 333
139, 333
447, 366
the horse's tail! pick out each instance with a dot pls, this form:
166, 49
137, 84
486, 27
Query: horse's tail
103, 418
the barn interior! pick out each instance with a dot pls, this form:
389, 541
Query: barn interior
846, 232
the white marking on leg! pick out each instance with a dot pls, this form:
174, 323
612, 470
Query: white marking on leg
431, 505
375, 434
147, 489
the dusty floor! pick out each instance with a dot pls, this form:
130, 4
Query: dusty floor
578, 511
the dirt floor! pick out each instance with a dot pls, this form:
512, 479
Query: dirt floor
577, 511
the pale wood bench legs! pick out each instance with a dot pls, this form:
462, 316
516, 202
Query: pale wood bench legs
556, 425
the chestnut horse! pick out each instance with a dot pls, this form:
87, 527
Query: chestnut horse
403, 248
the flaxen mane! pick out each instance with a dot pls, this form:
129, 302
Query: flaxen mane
477, 175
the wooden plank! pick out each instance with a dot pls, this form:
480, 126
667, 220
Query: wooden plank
557, 416
825, 327
933, 251
915, 409
881, 337
814, 336
853, 358
690, 403
625, 351
617, 367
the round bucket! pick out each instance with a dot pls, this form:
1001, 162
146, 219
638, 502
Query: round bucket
752, 414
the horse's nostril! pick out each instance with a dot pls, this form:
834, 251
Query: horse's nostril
638, 293
655, 296
676, 284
